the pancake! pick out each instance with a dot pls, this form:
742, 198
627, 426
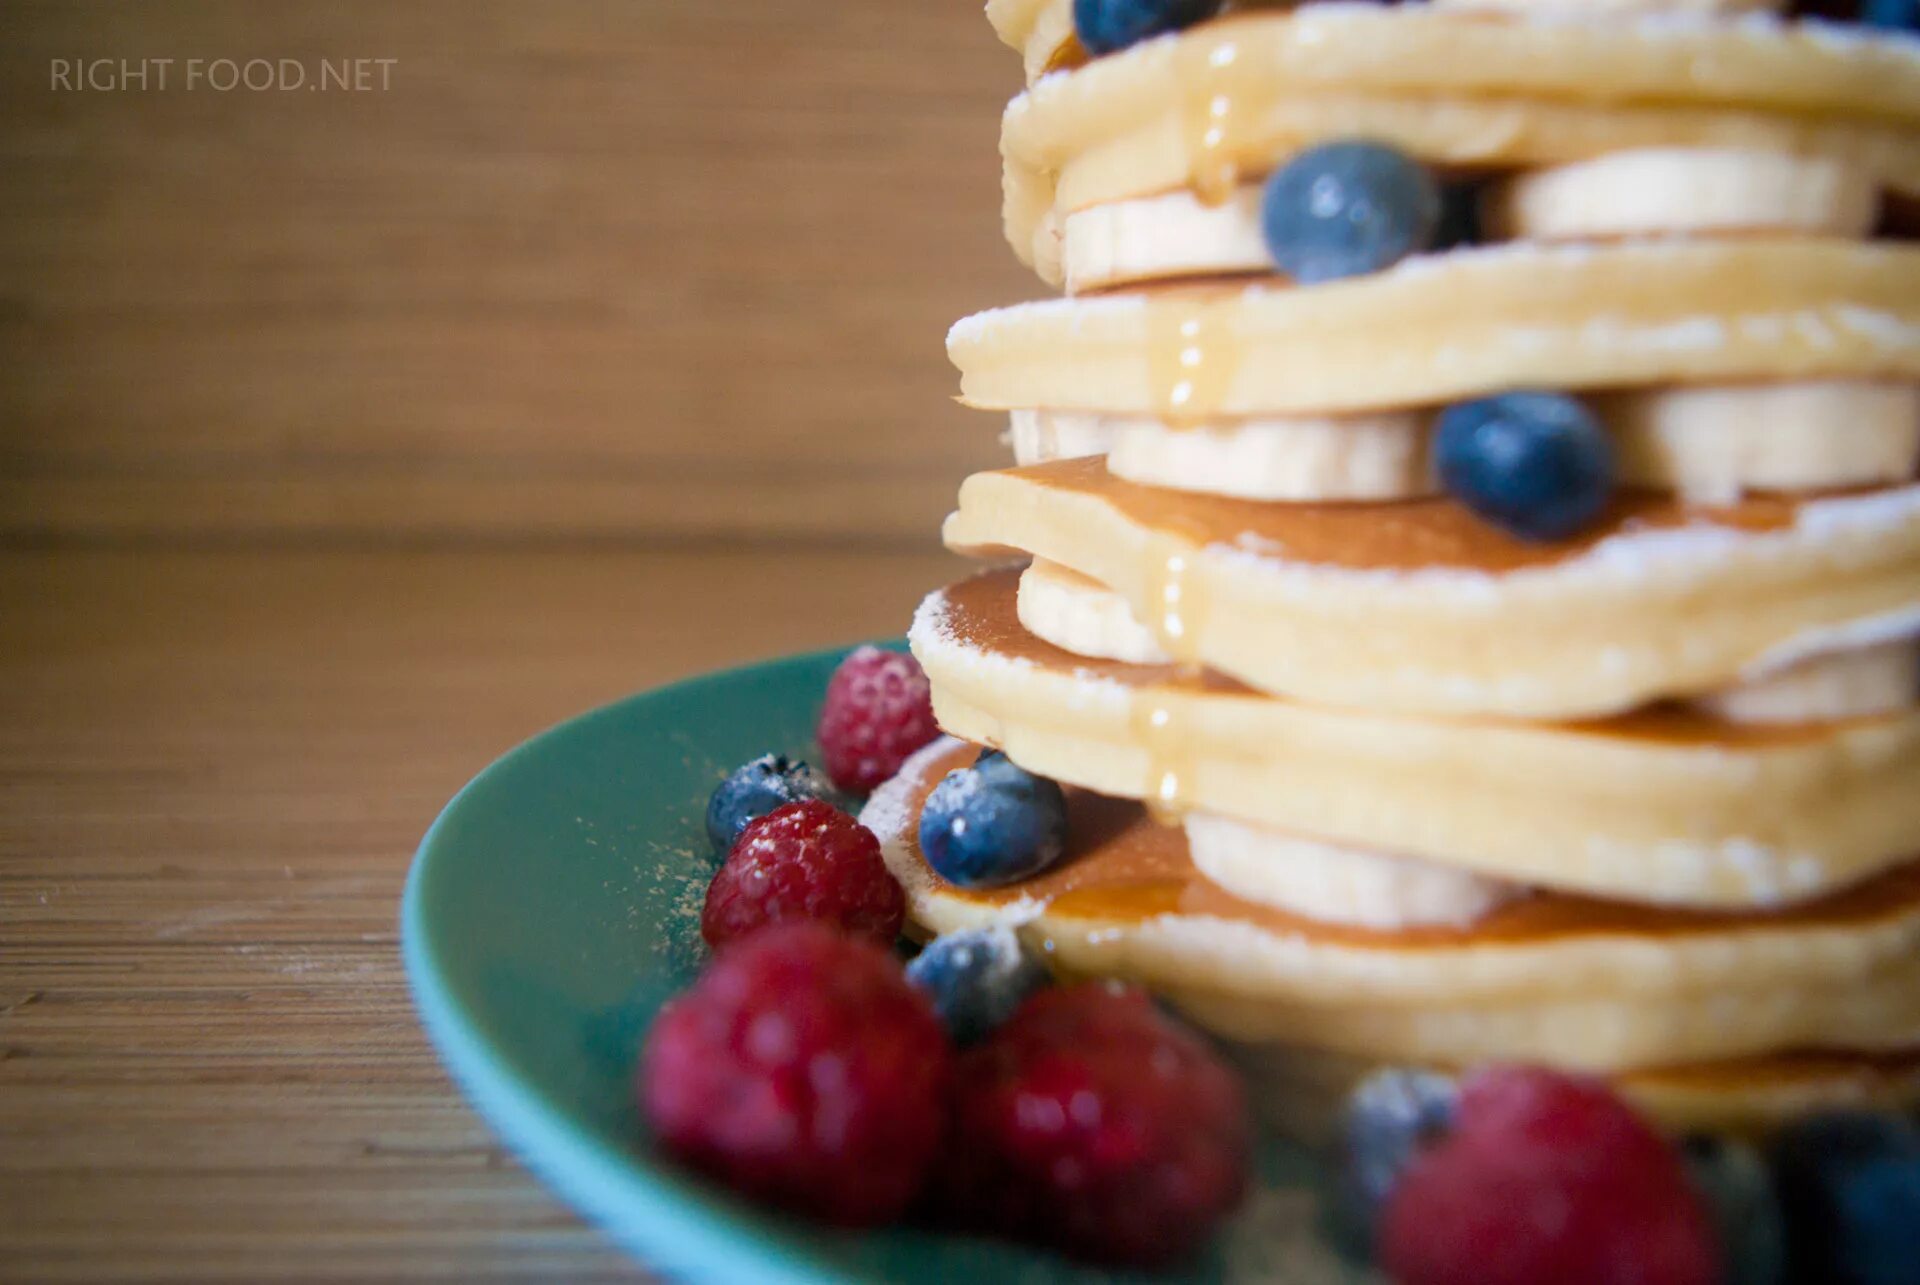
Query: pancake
1599, 985
1465, 323
1088, 619
1229, 98
1665, 805
1418, 606
1042, 31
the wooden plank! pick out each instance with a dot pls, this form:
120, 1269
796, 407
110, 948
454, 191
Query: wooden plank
493, 505
213, 769
653, 241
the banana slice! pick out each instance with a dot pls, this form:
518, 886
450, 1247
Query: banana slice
1339, 885
1714, 442
1083, 616
1643, 191
1041, 435
1174, 234
1710, 443
1853, 684
1380, 456
1685, 190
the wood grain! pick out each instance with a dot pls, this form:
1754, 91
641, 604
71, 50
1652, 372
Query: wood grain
585, 266
213, 770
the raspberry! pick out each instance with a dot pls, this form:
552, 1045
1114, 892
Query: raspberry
1092, 1122
805, 860
879, 710
802, 1070
1547, 1177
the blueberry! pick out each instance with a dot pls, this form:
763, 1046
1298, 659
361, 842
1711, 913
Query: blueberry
1891, 15
976, 979
1391, 1116
754, 789
1538, 464
1107, 25
1733, 1183
1343, 209
992, 823
1849, 1183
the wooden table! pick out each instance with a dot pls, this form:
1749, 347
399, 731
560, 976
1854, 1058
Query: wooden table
214, 765
346, 439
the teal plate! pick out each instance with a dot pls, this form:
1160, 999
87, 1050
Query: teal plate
555, 905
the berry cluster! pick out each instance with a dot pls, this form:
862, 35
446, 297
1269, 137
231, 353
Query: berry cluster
1523, 1175
806, 1068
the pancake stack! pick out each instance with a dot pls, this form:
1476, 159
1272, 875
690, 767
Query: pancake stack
1359, 774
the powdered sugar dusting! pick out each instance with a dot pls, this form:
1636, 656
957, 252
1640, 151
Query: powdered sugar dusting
1855, 635
889, 811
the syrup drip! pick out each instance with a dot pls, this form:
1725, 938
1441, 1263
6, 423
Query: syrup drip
1212, 120
1193, 356
1163, 734
1174, 602
1067, 56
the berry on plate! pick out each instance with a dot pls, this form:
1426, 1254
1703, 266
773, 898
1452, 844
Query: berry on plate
1107, 25
878, 711
754, 789
1347, 208
1547, 1177
992, 823
1537, 464
1849, 1183
976, 978
802, 1070
1093, 1122
1891, 15
1732, 1178
1391, 1117
804, 861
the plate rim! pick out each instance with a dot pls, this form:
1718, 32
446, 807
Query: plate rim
669, 1222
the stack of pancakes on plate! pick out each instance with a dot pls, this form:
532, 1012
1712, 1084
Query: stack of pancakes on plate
1357, 776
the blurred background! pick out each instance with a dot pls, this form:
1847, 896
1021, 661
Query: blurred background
349, 436
655, 268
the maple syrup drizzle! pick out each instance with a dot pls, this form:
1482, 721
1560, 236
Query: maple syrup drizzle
1193, 356
1162, 730
1171, 599
1212, 118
